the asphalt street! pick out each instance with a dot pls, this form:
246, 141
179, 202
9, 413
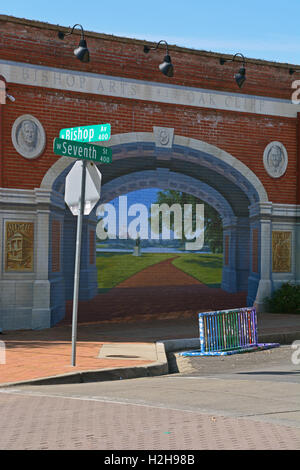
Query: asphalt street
246, 401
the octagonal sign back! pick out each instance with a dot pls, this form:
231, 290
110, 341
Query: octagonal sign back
92, 187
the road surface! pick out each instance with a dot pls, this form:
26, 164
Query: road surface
250, 402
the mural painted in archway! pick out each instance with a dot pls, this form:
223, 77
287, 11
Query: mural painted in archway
209, 174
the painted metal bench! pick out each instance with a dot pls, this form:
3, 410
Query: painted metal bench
227, 332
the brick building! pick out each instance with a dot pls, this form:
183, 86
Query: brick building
237, 149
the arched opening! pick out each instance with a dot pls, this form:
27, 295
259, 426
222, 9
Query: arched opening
189, 166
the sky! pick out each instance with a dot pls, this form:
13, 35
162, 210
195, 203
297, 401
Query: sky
260, 29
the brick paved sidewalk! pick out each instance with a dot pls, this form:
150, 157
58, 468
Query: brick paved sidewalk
37, 354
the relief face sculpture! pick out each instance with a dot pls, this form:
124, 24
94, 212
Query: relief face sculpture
28, 136
275, 159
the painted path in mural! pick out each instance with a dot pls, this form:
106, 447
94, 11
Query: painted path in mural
159, 291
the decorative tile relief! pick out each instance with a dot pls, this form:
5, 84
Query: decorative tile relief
281, 251
19, 246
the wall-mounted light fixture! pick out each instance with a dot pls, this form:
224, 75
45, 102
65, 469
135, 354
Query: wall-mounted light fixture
81, 52
292, 71
10, 97
239, 77
4, 90
166, 67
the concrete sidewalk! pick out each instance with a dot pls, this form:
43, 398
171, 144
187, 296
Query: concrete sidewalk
114, 350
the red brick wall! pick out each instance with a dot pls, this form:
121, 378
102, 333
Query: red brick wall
56, 228
37, 43
243, 135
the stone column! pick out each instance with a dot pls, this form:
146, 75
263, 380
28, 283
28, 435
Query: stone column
229, 274
41, 313
265, 283
236, 249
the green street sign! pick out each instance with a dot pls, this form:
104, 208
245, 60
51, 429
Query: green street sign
97, 133
94, 153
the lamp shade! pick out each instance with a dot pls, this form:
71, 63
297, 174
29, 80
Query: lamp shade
240, 77
82, 52
166, 66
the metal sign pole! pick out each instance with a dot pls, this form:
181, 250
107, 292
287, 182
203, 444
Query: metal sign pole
77, 263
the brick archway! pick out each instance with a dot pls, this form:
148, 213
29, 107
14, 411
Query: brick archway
166, 179
218, 178
196, 151
215, 134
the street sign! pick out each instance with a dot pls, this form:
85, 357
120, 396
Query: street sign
97, 133
82, 187
83, 184
69, 148
73, 187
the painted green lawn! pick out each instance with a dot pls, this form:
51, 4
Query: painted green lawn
207, 268
114, 268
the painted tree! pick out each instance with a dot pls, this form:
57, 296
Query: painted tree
213, 231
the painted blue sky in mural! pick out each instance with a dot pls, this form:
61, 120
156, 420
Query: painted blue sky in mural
142, 196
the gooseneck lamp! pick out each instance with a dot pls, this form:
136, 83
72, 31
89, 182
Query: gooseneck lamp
81, 52
166, 67
239, 77
292, 71
4, 91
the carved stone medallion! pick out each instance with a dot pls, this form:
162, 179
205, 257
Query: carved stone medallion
163, 136
28, 136
275, 159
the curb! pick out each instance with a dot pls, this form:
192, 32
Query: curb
282, 338
159, 367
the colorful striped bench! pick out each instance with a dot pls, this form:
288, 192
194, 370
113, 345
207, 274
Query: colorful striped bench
228, 332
